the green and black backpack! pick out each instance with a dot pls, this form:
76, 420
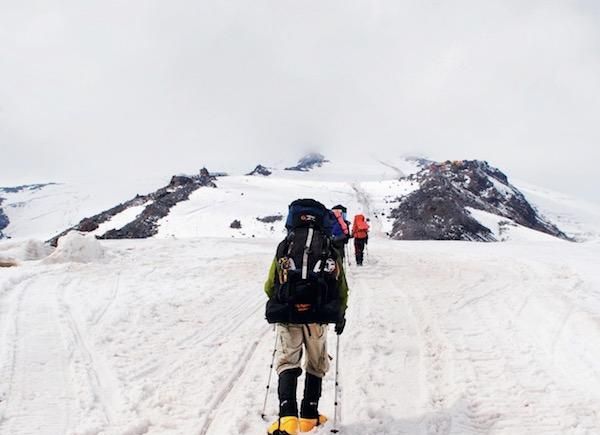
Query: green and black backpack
306, 289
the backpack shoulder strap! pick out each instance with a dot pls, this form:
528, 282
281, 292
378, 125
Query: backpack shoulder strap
283, 249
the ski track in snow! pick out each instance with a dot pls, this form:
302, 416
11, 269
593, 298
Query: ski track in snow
35, 366
365, 202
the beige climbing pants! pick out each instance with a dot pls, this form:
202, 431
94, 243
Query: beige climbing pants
292, 338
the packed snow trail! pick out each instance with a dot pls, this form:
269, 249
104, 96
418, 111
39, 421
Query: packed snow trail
168, 337
35, 362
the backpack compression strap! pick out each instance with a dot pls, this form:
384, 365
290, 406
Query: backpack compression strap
305, 255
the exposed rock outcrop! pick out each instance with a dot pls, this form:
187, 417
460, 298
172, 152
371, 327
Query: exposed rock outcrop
270, 219
3, 219
260, 170
17, 189
438, 209
308, 162
158, 205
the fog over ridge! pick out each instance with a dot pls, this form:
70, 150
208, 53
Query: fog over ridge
149, 86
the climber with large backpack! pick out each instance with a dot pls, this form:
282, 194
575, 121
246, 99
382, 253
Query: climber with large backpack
307, 290
360, 232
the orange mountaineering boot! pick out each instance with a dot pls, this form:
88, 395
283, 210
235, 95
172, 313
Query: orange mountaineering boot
308, 424
284, 426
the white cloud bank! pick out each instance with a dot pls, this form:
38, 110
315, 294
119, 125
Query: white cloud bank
97, 87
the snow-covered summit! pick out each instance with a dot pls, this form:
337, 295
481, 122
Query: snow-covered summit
308, 162
260, 170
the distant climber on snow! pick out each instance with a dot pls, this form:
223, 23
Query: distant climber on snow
360, 232
341, 229
307, 290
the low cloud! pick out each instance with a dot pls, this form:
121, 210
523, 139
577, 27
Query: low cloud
98, 87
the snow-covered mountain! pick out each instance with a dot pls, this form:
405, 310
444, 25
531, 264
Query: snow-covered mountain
308, 162
141, 215
406, 198
4, 220
42, 211
166, 335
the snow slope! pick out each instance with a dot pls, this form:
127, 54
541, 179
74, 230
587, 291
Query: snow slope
46, 212
209, 212
43, 213
371, 186
164, 336
580, 219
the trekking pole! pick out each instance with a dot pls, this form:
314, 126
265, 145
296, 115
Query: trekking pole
263, 413
347, 255
335, 401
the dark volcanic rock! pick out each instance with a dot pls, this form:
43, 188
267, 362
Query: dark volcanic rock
308, 162
3, 220
236, 224
16, 189
270, 219
260, 170
180, 180
438, 209
158, 205
87, 225
434, 213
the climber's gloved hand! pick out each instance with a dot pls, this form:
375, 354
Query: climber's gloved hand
340, 325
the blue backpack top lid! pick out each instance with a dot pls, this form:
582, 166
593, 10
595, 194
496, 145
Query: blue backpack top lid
308, 212
341, 208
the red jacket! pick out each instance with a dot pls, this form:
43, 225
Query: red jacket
360, 227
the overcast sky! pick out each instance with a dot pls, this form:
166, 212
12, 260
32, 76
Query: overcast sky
99, 87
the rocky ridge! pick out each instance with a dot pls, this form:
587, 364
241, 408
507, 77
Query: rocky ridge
157, 205
260, 170
438, 210
3, 219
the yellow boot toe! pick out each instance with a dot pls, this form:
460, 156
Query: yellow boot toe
284, 426
308, 424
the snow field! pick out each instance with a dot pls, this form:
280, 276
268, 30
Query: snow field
168, 337
209, 212
27, 250
44, 213
575, 217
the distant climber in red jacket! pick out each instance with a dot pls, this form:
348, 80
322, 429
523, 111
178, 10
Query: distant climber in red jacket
360, 232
